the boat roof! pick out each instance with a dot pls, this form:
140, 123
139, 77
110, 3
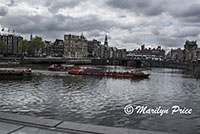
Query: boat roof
90, 67
15, 68
67, 65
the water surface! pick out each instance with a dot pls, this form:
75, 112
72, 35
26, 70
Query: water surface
101, 100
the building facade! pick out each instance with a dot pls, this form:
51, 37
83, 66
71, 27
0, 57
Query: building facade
176, 55
75, 46
190, 51
198, 54
57, 48
94, 49
12, 43
157, 52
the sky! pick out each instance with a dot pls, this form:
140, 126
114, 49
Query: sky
128, 23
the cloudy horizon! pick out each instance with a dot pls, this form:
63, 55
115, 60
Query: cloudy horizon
128, 24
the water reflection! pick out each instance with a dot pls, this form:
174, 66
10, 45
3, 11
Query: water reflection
100, 100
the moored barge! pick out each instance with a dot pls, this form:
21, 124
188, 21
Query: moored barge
16, 71
99, 72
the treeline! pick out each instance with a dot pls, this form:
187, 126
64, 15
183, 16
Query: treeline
32, 47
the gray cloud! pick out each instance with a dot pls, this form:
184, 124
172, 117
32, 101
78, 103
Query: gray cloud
12, 3
3, 11
187, 33
187, 12
57, 23
130, 23
170, 42
155, 32
55, 5
140, 7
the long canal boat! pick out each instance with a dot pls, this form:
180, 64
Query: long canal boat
99, 72
16, 71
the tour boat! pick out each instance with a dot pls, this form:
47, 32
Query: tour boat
99, 72
58, 67
16, 71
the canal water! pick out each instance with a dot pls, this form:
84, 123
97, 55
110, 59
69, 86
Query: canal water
101, 100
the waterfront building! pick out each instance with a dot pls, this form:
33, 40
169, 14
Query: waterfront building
176, 55
75, 46
190, 51
55, 49
47, 48
157, 52
114, 52
94, 49
58, 48
111, 53
198, 54
121, 53
102, 51
12, 43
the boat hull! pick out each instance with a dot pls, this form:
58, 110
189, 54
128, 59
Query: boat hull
58, 69
120, 75
5, 72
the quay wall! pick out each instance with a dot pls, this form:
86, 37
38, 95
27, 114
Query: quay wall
26, 124
53, 60
189, 68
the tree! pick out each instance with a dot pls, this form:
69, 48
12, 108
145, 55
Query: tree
24, 46
2, 46
37, 44
32, 46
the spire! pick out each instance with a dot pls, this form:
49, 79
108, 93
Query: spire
31, 37
106, 41
82, 36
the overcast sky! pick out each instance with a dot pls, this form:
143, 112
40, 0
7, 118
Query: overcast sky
128, 23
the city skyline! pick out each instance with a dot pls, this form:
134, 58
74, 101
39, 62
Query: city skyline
128, 24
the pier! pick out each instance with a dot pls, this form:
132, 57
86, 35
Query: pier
18, 124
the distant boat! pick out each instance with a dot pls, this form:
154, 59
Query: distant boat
62, 67
15, 62
99, 72
16, 71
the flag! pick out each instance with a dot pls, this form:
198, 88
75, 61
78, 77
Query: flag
2, 29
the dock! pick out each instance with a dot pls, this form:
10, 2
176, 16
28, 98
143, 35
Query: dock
23, 124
